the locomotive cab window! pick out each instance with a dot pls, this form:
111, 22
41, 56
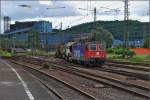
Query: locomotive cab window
92, 47
101, 47
87, 47
70, 48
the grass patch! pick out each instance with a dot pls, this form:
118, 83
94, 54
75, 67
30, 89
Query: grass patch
46, 66
5, 54
40, 53
37, 52
141, 58
135, 59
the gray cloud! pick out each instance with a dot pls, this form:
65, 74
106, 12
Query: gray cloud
11, 8
140, 8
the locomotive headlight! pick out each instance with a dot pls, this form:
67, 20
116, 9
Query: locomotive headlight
97, 53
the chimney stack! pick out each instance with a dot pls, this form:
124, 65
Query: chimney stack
7, 20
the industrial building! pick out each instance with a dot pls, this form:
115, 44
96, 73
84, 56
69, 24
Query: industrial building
19, 31
133, 43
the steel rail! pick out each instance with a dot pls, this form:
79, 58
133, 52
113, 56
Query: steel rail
129, 66
126, 72
108, 70
100, 79
59, 80
50, 88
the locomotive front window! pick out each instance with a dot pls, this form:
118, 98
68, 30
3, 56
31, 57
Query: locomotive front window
92, 47
101, 47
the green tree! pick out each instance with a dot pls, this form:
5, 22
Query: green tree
46, 45
6, 43
34, 40
115, 27
147, 42
21, 44
102, 35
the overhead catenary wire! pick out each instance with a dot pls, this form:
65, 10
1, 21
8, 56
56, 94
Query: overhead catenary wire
79, 19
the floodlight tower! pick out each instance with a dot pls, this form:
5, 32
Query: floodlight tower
149, 22
94, 14
126, 12
61, 25
126, 29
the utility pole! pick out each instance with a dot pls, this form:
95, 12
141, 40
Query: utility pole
149, 13
13, 45
62, 34
126, 29
0, 41
94, 19
94, 14
149, 23
94, 10
126, 13
61, 26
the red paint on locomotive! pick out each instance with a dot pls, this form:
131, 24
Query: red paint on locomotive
95, 51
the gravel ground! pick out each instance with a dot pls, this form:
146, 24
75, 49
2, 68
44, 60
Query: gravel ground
64, 91
98, 90
122, 78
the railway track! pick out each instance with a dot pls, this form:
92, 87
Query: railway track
117, 73
129, 66
140, 91
134, 71
137, 74
63, 87
58, 96
136, 89
128, 63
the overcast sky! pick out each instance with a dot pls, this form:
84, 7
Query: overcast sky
71, 15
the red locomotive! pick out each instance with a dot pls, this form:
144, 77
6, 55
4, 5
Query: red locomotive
87, 53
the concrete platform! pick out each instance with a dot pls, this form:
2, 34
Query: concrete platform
17, 84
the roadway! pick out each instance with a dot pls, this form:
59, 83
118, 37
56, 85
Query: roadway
18, 84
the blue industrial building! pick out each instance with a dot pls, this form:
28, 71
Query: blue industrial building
20, 31
133, 43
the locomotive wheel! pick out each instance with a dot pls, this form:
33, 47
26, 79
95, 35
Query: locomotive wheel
86, 63
80, 62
